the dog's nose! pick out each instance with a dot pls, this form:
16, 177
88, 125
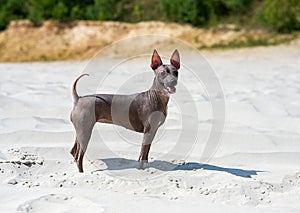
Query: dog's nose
173, 82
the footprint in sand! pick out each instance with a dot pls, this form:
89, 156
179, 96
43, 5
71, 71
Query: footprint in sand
59, 203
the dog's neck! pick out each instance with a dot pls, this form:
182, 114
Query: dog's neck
158, 93
157, 86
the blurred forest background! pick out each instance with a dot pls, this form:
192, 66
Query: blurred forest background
280, 15
48, 30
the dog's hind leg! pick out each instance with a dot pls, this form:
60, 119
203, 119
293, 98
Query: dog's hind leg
83, 140
83, 120
79, 161
74, 150
83, 135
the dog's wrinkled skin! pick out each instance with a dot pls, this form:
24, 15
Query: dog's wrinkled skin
144, 112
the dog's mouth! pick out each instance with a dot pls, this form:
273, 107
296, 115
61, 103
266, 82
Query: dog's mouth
171, 89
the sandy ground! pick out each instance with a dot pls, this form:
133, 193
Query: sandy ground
256, 167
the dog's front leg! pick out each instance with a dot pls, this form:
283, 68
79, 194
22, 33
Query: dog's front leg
147, 140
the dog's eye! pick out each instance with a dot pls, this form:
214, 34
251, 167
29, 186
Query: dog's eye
163, 73
168, 71
175, 73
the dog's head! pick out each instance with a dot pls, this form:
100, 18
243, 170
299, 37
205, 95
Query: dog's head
166, 74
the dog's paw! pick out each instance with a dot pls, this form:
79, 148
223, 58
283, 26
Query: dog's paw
141, 164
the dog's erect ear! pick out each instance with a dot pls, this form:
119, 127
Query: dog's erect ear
175, 60
155, 61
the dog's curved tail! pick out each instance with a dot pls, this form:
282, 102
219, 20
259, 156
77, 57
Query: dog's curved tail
74, 92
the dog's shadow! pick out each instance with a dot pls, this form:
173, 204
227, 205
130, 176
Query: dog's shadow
123, 163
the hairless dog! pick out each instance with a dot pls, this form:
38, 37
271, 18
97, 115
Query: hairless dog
143, 112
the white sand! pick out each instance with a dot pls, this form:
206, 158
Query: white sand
256, 167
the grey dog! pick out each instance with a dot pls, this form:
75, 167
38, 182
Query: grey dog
143, 112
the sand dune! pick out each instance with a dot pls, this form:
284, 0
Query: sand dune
256, 167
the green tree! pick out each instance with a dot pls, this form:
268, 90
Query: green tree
283, 15
234, 6
11, 10
60, 11
35, 12
108, 9
77, 13
195, 12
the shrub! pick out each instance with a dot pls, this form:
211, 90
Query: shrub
234, 6
107, 9
195, 12
60, 11
202, 12
283, 15
11, 10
